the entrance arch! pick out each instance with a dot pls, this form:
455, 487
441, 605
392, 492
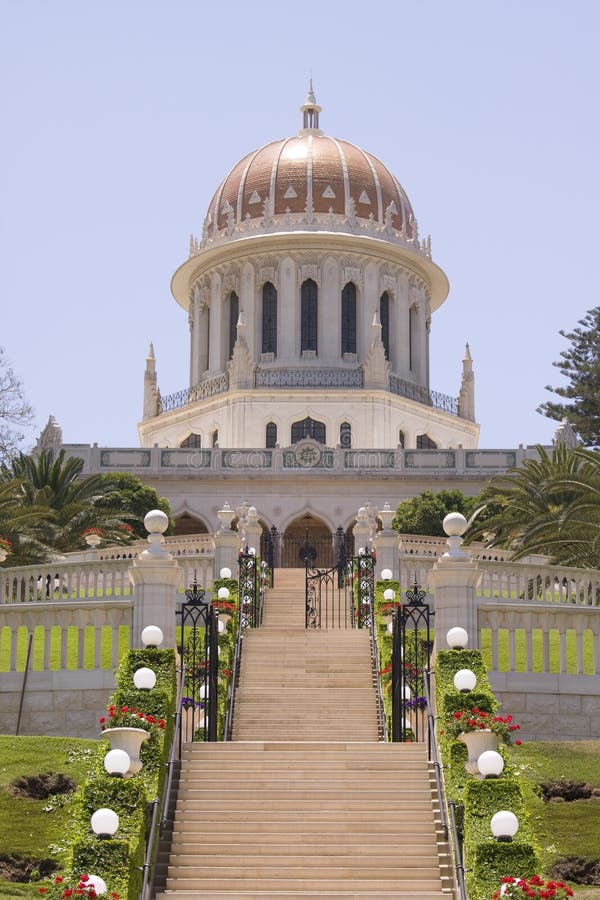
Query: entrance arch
308, 535
186, 523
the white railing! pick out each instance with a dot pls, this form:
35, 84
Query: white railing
67, 635
526, 581
540, 638
65, 581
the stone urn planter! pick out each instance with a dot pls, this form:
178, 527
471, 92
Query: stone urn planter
476, 742
130, 740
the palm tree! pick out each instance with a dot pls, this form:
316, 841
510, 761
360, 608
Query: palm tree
550, 505
22, 525
51, 487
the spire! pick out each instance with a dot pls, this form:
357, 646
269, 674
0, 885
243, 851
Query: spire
151, 397
310, 112
466, 397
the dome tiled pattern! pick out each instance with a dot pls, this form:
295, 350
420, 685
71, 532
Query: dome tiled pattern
310, 173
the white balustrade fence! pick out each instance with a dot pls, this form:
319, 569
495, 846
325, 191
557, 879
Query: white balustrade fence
66, 635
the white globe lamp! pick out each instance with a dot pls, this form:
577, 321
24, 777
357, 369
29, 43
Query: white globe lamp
117, 763
465, 680
223, 593
144, 679
152, 636
504, 825
97, 883
490, 764
386, 574
389, 594
225, 572
104, 823
457, 638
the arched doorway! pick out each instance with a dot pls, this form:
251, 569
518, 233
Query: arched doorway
188, 524
309, 536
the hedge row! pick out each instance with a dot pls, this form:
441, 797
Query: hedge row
486, 859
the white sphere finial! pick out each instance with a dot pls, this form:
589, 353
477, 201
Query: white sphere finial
454, 524
156, 521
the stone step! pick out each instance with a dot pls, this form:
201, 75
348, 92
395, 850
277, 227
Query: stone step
190, 866
274, 811
302, 881
306, 845
347, 829
410, 894
403, 796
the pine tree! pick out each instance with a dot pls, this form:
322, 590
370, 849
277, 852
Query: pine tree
580, 363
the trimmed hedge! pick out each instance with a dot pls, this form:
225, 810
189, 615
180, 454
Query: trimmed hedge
118, 860
486, 860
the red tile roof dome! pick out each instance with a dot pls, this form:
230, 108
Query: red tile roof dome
311, 180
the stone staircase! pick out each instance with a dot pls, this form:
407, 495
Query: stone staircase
305, 802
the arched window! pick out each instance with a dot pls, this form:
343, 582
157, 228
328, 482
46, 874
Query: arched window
413, 337
308, 428
271, 434
424, 442
309, 311
215, 437
346, 435
401, 439
384, 318
349, 318
192, 440
269, 318
234, 314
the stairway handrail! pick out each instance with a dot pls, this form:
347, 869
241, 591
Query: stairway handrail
381, 717
233, 682
162, 803
450, 832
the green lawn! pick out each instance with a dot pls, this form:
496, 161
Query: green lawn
72, 649
30, 828
563, 829
537, 637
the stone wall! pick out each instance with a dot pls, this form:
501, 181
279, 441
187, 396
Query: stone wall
550, 707
67, 703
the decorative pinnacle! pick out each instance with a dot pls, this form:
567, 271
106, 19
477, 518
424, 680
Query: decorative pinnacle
151, 351
310, 110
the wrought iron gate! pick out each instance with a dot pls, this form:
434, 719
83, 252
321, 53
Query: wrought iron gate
411, 652
341, 596
199, 650
293, 551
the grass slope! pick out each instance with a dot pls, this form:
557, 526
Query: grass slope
29, 828
563, 829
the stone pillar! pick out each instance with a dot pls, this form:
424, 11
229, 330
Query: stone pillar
227, 542
155, 578
253, 530
385, 544
452, 581
361, 531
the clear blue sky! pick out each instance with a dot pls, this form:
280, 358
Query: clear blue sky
120, 118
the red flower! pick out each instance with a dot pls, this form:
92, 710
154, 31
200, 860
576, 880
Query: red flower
518, 743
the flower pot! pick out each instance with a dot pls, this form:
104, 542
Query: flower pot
130, 740
476, 742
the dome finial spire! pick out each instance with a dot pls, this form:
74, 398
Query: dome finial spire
310, 110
